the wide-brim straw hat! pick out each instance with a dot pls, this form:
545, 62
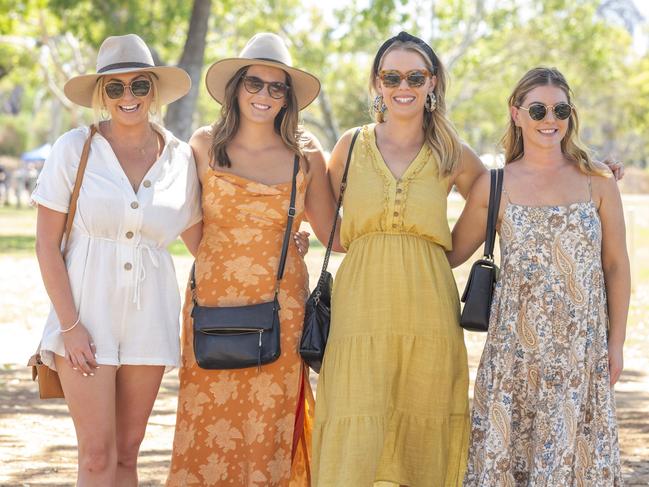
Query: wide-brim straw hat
128, 54
265, 49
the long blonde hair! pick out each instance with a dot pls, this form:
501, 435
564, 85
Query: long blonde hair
571, 145
226, 127
99, 105
439, 132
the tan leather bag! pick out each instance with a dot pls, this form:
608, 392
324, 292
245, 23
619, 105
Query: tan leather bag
49, 384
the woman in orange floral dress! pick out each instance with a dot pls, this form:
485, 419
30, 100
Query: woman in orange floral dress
251, 427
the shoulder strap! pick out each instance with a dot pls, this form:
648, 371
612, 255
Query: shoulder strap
83, 162
343, 186
289, 223
495, 190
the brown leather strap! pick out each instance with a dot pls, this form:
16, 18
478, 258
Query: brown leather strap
83, 162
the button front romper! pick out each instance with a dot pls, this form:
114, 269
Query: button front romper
122, 276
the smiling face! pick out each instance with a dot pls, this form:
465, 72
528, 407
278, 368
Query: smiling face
546, 133
404, 101
261, 107
128, 109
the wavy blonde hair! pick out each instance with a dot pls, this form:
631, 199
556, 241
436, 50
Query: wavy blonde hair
571, 145
439, 132
99, 105
225, 128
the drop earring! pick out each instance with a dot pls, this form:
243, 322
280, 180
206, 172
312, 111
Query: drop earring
379, 105
431, 102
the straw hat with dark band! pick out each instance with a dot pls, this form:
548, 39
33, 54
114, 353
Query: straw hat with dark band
263, 49
128, 54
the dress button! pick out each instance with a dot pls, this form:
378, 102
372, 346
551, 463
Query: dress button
396, 213
146, 183
135, 205
128, 266
129, 234
399, 190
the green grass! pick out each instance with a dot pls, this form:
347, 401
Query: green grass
17, 244
178, 248
17, 221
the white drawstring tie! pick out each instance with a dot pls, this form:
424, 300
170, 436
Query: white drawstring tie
140, 271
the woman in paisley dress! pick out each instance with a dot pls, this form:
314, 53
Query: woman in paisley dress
544, 408
252, 426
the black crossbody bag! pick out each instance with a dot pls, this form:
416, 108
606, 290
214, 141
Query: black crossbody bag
317, 312
236, 337
479, 288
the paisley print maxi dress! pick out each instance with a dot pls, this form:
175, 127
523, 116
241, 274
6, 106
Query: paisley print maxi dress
544, 412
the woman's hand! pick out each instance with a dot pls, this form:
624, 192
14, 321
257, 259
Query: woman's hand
80, 350
301, 239
615, 362
616, 167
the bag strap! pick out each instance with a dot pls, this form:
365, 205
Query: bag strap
495, 191
289, 223
287, 235
343, 186
83, 162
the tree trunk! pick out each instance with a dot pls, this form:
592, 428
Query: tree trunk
179, 114
328, 120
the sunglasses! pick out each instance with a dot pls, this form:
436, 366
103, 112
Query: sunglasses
276, 89
538, 111
139, 88
415, 77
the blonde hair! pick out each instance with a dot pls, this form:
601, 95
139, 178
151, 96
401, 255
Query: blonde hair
571, 145
99, 104
226, 127
439, 132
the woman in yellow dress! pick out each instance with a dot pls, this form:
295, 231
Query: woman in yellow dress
392, 401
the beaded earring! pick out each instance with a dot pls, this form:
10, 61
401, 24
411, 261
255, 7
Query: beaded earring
379, 105
431, 102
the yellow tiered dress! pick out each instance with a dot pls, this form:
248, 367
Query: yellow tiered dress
392, 399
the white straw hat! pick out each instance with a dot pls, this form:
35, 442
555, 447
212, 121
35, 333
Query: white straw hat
128, 54
263, 49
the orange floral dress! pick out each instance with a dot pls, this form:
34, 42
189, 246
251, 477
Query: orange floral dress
245, 427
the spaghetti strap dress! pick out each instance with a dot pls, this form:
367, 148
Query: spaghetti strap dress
245, 427
392, 399
543, 410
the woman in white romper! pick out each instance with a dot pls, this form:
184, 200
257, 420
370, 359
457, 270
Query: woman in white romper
114, 328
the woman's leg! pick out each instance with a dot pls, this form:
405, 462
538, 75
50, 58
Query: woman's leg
91, 401
137, 388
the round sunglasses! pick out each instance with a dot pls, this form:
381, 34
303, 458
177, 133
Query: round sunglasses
415, 78
538, 111
276, 89
139, 88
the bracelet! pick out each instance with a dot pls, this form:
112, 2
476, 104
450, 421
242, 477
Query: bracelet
68, 329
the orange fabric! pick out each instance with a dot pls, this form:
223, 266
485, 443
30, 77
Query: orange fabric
238, 427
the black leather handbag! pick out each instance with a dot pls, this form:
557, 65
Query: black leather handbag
479, 288
317, 313
236, 337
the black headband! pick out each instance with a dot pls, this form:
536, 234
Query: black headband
404, 37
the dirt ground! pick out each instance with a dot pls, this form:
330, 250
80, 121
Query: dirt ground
37, 441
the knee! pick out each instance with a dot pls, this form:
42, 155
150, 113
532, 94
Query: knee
96, 457
128, 449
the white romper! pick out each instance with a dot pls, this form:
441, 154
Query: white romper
122, 276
